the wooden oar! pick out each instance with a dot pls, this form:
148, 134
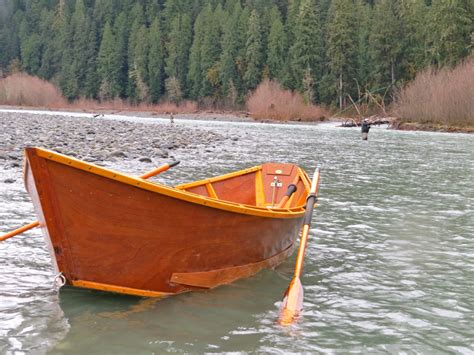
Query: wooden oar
293, 300
291, 190
34, 224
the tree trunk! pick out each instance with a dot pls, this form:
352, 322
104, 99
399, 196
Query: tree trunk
392, 64
340, 91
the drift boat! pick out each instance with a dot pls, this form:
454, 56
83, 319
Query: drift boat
114, 232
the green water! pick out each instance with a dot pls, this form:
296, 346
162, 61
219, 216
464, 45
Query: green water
389, 267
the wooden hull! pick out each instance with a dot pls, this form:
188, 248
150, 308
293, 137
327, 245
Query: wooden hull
112, 232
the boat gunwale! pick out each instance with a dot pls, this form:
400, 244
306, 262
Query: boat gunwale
175, 192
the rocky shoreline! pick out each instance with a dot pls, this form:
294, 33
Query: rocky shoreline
96, 140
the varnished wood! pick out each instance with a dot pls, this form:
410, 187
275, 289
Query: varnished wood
19, 230
214, 278
118, 289
108, 228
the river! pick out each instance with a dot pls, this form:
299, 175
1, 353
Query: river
389, 267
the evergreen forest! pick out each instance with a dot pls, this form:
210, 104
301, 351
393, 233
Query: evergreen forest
217, 51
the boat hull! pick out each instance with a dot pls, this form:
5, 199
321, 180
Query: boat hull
109, 235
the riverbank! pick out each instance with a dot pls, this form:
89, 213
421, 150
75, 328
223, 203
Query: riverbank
224, 116
402, 125
97, 140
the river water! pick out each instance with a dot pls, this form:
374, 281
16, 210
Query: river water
389, 267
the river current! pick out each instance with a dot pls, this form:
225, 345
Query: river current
389, 266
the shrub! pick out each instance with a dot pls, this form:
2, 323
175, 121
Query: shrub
21, 89
443, 97
270, 101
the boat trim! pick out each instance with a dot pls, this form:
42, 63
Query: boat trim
119, 289
177, 193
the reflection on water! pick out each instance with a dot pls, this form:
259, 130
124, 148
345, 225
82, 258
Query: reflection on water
389, 264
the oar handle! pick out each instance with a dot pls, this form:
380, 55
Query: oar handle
312, 197
159, 170
290, 191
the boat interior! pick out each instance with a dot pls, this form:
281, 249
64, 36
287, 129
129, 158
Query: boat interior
262, 186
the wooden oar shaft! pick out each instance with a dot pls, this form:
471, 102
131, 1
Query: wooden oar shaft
310, 201
293, 301
159, 170
19, 230
34, 224
301, 251
290, 192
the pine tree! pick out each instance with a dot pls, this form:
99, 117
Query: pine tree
195, 71
253, 53
108, 66
230, 49
342, 37
307, 50
121, 33
277, 50
363, 63
92, 81
177, 46
451, 28
156, 61
135, 40
210, 50
80, 41
31, 53
51, 53
385, 43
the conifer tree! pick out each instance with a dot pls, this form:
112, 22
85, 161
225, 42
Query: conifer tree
363, 63
80, 41
108, 66
195, 70
414, 49
253, 53
51, 52
277, 50
135, 40
177, 46
121, 34
385, 43
341, 49
156, 61
92, 81
210, 50
451, 28
230, 49
31, 53
306, 52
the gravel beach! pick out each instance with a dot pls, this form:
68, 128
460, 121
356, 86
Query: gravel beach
96, 140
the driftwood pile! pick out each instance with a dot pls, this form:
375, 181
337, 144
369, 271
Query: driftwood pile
373, 121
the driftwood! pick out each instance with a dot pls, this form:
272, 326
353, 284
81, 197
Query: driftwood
373, 121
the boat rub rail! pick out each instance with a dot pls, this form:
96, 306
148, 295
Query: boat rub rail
177, 192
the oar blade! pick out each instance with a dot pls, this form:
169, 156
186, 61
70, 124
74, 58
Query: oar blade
292, 303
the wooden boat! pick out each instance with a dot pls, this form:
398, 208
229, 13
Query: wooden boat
114, 232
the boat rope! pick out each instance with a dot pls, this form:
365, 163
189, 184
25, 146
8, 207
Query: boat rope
59, 281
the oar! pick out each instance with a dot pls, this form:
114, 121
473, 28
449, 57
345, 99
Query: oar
293, 301
34, 224
159, 170
290, 191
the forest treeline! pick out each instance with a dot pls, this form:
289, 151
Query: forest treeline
216, 51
